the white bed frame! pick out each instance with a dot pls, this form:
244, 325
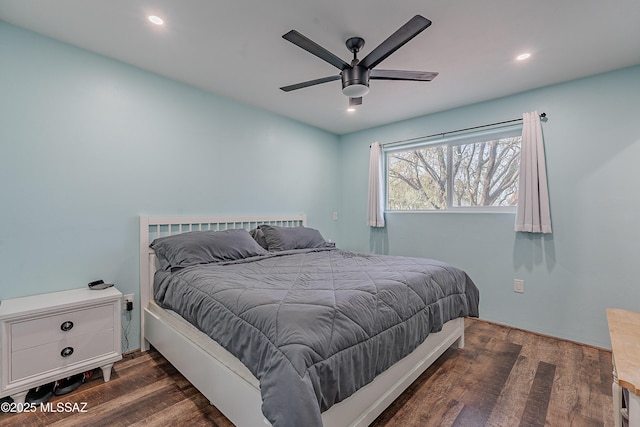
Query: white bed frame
239, 399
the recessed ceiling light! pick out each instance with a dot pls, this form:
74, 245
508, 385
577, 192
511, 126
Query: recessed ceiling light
156, 20
523, 56
351, 109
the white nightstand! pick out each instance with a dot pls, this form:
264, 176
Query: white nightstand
52, 336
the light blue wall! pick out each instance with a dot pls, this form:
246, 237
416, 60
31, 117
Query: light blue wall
87, 144
589, 263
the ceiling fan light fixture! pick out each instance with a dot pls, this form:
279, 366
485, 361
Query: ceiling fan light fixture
356, 90
355, 81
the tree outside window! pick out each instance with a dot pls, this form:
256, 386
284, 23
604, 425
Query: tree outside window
451, 176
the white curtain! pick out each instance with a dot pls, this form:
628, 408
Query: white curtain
375, 211
533, 215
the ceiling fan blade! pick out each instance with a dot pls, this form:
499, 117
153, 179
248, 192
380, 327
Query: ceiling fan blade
395, 41
315, 49
355, 101
421, 76
310, 83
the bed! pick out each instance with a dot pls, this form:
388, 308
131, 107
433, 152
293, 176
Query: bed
333, 336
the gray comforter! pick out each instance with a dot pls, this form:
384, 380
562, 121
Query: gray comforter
315, 325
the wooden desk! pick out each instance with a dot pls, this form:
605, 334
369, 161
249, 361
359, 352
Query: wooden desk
624, 330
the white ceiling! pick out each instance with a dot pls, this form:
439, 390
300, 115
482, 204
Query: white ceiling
234, 48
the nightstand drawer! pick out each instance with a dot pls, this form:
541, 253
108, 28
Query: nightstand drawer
49, 329
43, 358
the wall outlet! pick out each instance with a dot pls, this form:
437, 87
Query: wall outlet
335, 215
518, 286
126, 300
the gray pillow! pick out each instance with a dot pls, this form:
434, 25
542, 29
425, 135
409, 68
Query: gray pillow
258, 236
203, 247
286, 238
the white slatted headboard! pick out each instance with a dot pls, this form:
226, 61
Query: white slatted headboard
154, 227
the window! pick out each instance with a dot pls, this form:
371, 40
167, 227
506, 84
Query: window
468, 172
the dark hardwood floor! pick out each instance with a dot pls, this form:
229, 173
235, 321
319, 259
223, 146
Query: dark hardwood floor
503, 377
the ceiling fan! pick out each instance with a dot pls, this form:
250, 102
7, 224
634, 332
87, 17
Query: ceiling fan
355, 76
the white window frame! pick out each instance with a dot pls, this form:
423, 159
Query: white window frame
450, 141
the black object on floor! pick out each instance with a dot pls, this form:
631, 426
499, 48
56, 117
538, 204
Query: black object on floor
68, 384
40, 394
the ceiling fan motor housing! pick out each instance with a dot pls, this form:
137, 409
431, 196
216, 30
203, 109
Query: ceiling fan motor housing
355, 81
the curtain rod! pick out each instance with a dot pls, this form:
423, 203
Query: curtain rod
542, 116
